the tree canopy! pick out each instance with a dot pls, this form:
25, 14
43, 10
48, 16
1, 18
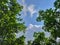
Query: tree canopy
9, 25
51, 18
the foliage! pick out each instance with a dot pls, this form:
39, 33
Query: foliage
9, 10
20, 41
40, 39
51, 18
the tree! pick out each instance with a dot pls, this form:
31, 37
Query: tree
20, 41
40, 39
29, 42
51, 18
9, 25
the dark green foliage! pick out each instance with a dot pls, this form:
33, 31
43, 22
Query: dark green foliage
9, 9
40, 39
51, 18
20, 41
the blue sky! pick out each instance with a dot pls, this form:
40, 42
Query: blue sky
30, 12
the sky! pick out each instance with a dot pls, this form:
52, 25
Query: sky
30, 13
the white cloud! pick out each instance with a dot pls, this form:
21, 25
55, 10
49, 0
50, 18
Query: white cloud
35, 28
31, 9
23, 1
27, 8
30, 26
30, 31
58, 39
24, 7
19, 34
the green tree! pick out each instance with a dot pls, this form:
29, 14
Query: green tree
29, 42
51, 18
40, 39
9, 25
20, 41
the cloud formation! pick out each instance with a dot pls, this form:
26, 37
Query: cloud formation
58, 39
34, 27
31, 9
24, 7
30, 31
